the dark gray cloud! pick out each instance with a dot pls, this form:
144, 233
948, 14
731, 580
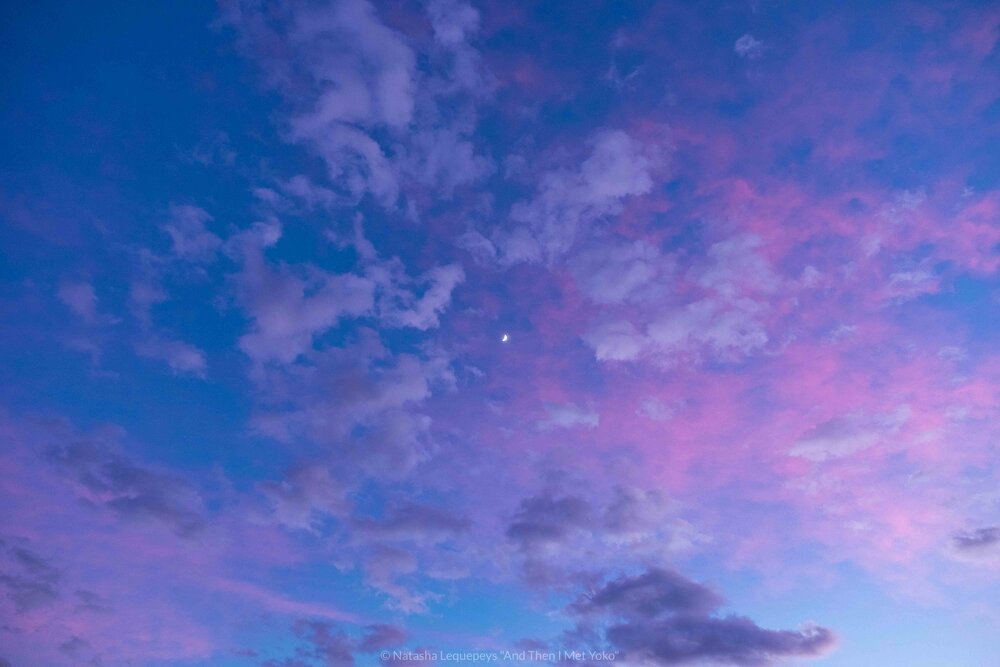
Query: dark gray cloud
306, 493
91, 601
74, 646
323, 645
327, 645
547, 518
27, 592
384, 567
380, 636
623, 513
651, 594
392, 446
565, 539
114, 481
358, 399
664, 618
734, 640
414, 521
975, 540
30, 581
33, 563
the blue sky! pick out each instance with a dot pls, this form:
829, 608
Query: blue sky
661, 329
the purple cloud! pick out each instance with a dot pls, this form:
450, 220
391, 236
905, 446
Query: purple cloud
665, 618
107, 477
191, 240
335, 312
648, 595
546, 518
28, 579
732, 640
570, 199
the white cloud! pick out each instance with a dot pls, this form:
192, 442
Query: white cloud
399, 304
359, 400
725, 324
304, 495
952, 354
729, 330
304, 189
656, 410
749, 47
455, 24
191, 240
568, 415
365, 69
445, 160
849, 434
735, 267
569, 199
290, 305
365, 100
354, 159
288, 310
477, 245
612, 273
615, 341
517, 245
841, 332
80, 298
909, 284
182, 358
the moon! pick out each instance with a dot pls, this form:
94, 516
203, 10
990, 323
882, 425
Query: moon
505, 338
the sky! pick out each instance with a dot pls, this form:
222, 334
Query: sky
573, 333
